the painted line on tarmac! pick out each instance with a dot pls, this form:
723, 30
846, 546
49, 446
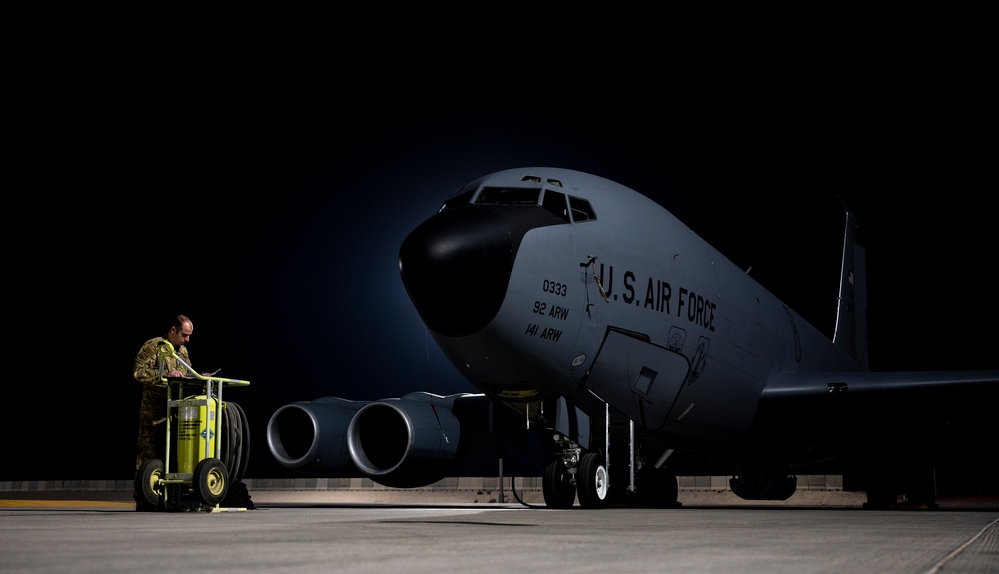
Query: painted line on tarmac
63, 503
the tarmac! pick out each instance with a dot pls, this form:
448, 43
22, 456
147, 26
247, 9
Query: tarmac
47, 527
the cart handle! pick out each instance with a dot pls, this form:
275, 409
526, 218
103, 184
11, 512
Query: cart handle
165, 349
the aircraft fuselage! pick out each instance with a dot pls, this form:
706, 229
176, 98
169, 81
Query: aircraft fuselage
620, 304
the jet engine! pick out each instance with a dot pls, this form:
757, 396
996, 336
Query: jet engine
311, 437
401, 442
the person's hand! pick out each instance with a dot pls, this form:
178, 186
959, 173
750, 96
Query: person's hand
175, 373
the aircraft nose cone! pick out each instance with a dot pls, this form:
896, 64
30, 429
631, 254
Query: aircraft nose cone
456, 267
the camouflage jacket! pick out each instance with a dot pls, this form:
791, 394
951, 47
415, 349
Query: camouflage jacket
147, 362
152, 406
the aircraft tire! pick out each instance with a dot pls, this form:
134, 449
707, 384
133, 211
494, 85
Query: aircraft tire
657, 487
147, 482
211, 481
556, 484
592, 481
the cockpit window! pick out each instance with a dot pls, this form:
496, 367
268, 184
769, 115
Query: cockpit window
461, 199
508, 196
554, 202
577, 209
581, 209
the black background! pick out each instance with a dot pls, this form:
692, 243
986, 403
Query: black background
277, 233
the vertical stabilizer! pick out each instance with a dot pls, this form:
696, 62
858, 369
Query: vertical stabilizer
851, 315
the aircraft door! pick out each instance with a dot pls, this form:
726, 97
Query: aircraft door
638, 378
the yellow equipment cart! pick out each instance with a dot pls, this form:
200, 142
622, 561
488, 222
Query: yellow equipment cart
196, 478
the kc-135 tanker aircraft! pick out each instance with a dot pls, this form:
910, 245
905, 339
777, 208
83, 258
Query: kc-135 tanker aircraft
606, 335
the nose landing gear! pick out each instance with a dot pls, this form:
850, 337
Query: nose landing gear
573, 473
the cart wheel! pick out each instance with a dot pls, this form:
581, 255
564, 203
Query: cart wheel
210, 481
147, 481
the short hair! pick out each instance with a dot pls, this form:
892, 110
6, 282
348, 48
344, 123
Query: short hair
179, 321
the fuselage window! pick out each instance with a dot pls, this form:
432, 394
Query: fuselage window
581, 209
554, 202
509, 196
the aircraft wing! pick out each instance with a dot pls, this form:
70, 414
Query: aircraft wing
790, 386
874, 409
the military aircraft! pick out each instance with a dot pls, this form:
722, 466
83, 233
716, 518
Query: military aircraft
600, 327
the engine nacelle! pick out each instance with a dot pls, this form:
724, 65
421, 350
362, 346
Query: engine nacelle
311, 437
403, 442
407, 442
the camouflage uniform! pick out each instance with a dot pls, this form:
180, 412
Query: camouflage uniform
152, 408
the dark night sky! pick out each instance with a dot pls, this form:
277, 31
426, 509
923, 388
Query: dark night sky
279, 238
